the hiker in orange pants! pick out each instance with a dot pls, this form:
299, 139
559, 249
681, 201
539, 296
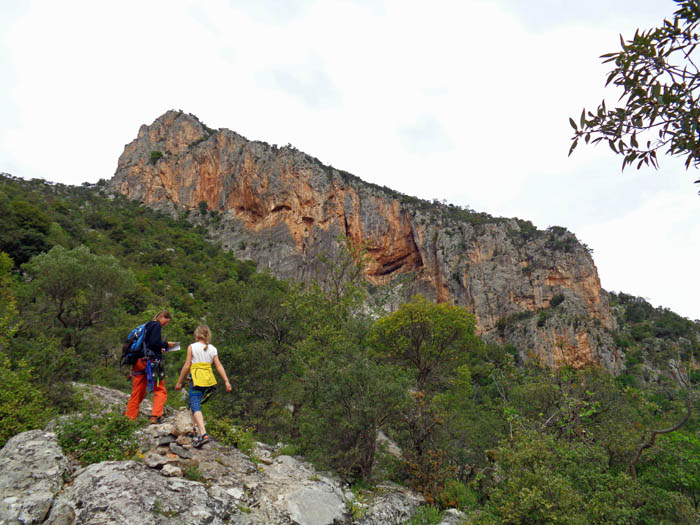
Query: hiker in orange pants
139, 383
155, 346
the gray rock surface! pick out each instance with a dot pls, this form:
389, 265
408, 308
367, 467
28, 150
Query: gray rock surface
181, 451
453, 517
315, 505
392, 505
215, 484
129, 492
32, 471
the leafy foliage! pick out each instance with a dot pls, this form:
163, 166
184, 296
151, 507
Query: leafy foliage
425, 337
76, 287
324, 369
426, 515
431, 341
155, 156
560, 482
660, 84
224, 431
94, 438
22, 405
350, 398
25, 229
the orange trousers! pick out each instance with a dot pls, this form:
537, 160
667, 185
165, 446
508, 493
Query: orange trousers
139, 384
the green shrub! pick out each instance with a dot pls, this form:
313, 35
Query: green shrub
193, 472
287, 450
52, 369
641, 331
112, 377
226, 432
457, 494
626, 380
94, 438
426, 515
389, 467
155, 156
22, 406
556, 300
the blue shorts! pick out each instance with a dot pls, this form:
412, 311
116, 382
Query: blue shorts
199, 395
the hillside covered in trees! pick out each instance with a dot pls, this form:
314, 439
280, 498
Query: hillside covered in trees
324, 368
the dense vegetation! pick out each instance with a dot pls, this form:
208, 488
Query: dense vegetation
319, 369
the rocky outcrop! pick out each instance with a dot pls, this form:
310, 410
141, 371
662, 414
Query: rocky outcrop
130, 492
282, 208
32, 471
175, 483
392, 504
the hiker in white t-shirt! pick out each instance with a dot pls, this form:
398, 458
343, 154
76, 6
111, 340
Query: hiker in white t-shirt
200, 356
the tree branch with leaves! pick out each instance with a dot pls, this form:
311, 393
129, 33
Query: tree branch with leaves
682, 377
660, 83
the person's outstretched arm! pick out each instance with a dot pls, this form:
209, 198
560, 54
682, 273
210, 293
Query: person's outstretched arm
185, 369
222, 372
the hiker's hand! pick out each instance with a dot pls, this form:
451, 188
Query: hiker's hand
228, 386
178, 386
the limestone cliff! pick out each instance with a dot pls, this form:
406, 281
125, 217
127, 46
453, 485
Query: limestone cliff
538, 290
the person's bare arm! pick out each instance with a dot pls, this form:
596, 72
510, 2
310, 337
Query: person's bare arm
185, 368
222, 372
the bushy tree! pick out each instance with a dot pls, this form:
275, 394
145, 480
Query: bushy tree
8, 304
348, 398
256, 324
544, 480
674, 465
76, 289
430, 341
22, 404
25, 229
427, 338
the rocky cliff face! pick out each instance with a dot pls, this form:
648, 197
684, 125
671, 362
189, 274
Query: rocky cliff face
537, 290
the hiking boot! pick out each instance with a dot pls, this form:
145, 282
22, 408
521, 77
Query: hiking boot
201, 440
155, 420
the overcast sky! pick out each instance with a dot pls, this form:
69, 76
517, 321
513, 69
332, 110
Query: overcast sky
464, 100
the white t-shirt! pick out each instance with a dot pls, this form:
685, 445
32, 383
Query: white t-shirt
199, 355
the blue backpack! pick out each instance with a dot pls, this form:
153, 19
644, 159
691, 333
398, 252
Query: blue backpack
134, 347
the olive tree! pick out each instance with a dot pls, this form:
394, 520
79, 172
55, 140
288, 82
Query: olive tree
75, 289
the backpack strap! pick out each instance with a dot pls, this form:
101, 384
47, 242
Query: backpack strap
149, 375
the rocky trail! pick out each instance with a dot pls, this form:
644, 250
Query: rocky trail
39, 484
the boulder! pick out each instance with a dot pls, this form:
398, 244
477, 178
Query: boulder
392, 505
453, 517
315, 505
118, 492
32, 471
171, 470
181, 451
182, 423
